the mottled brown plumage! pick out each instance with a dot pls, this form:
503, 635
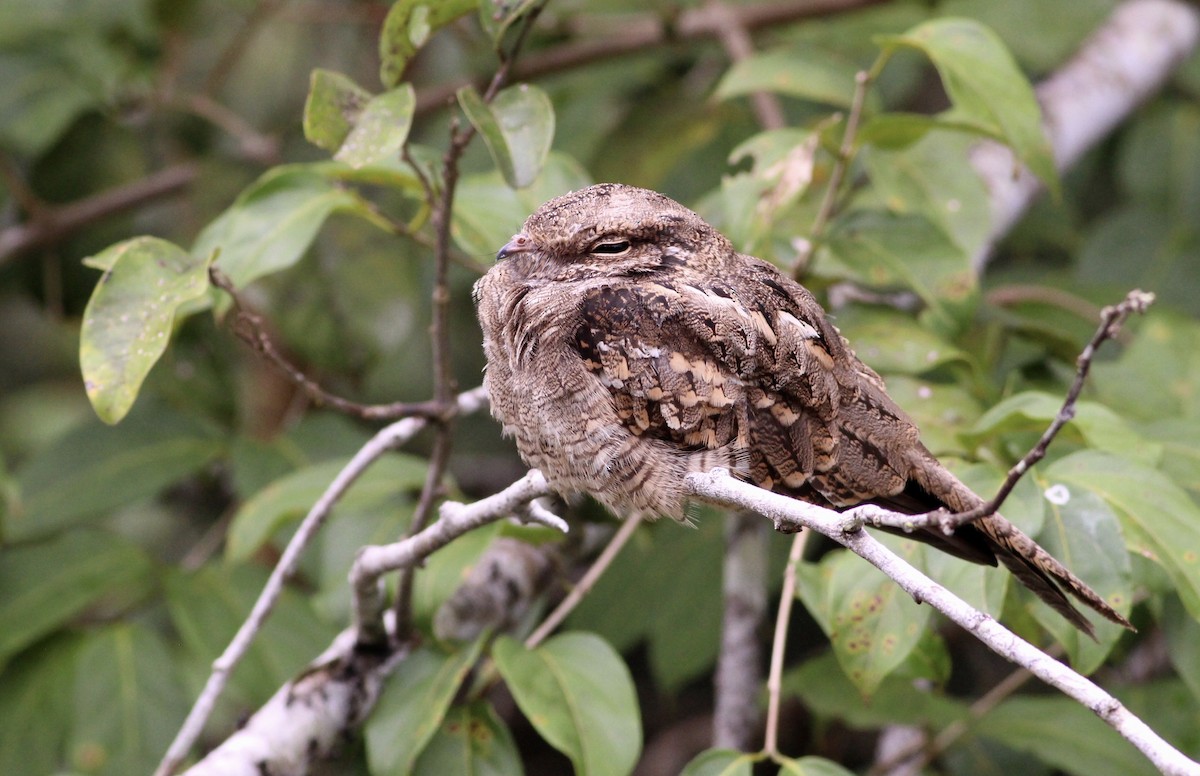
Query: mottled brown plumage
629, 344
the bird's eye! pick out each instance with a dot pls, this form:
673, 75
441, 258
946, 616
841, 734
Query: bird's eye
611, 248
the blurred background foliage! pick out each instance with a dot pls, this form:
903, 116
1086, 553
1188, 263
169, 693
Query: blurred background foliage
131, 552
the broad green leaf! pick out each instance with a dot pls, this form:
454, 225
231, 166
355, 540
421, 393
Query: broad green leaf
96, 468
36, 703
1076, 741
889, 249
898, 131
407, 26
128, 320
208, 606
380, 129
273, 222
985, 87
721, 762
871, 622
517, 127
811, 766
332, 109
890, 341
472, 741
44, 585
128, 701
290, 497
1099, 426
1159, 162
1084, 533
412, 706
578, 694
802, 72
921, 180
41, 95
1159, 519
487, 212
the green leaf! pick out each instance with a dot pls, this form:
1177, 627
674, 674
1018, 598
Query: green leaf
985, 86
802, 72
290, 497
44, 585
412, 706
472, 741
273, 222
1167, 346
95, 468
1099, 426
1084, 533
871, 622
1180, 441
128, 701
517, 127
721, 762
887, 249
487, 212
332, 109
380, 130
36, 704
407, 26
1159, 519
920, 180
1076, 742
128, 320
209, 605
578, 694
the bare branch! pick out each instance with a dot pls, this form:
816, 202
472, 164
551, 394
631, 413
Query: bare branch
787, 597
387, 439
791, 515
251, 328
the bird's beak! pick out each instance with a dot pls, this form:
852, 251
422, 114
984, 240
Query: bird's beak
520, 243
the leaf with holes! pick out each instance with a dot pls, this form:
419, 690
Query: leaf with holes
128, 320
872, 623
333, 106
380, 129
407, 26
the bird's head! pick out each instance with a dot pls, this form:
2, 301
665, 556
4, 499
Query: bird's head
610, 230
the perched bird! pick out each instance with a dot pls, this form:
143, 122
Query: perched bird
628, 343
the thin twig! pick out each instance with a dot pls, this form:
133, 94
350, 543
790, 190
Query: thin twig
788, 514
441, 207
787, 597
739, 46
862, 82
587, 581
1112, 318
251, 328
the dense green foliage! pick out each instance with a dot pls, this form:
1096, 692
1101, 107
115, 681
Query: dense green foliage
143, 503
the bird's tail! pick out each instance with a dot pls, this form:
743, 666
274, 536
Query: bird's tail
1037, 569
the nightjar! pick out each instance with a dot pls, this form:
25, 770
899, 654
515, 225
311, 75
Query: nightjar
628, 343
